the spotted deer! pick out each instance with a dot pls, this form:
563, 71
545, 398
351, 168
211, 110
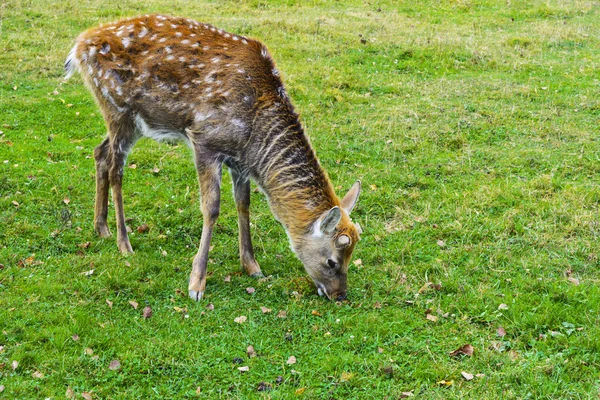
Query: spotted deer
169, 79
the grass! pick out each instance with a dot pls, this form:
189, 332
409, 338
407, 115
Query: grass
474, 128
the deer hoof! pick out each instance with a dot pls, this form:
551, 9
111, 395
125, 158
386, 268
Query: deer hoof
196, 295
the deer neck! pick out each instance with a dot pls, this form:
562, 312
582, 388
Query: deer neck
286, 168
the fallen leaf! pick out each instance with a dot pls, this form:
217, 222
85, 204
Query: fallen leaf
245, 368
143, 228
110, 303
66, 200
132, 166
445, 383
114, 365
282, 314
15, 203
85, 245
441, 243
480, 375
240, 320
156, 170
179, 309
37, 375
574, 281
147, 313
133, 304
227, 278
501, 331
346, 376
467, 375
210, 307
250, 290
431, 317
86, 395
1, 388
198, 390
404, 395
315, 312
379, 350
466, 350
299, 391
15, 365
291, 360
265, 310
89, 351
1, 349
503, 306
264, 386
357, 262
88, 273
70, 394
251, 352
75, 337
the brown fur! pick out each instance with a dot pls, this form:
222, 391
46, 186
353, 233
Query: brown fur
176, 79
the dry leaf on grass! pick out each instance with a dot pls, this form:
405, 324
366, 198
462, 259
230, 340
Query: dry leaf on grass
251, 352
240, 320
357, 262
466, 350
210, 307
405, 395
444, 382
143, 228
245, 368
315, 312
89, 351
70, 394
14, 365
66, 200
133, 304
501, 331
250, 290
291, 360
37, 375
346, 376
227, 278
1, 388
110, 303
503, 306
300, 391
574, 281
86, 395
114, 365
265, 310
75, 337
282, 314
431, 317
467, 375
147, 313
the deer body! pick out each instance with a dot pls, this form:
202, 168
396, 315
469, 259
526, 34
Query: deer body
170, 78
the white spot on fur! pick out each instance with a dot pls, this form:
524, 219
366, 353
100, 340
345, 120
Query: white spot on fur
236, 38
213, 29
178, 34
199, 116
216, 60
170, 58
239, 123
162, 40
185, 41
92, 51
206, 48
126, 42
264, 53
143, 32
105, 49
244, 41
275, 71
168, 50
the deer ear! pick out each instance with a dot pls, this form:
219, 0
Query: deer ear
330, 220
351, 198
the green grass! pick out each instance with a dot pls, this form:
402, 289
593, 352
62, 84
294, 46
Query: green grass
474, 123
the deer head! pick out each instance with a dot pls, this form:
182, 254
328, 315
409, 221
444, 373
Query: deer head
327, 249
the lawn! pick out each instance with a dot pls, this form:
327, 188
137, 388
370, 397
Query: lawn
473, 126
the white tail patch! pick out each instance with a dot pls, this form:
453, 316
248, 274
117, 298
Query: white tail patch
72, 63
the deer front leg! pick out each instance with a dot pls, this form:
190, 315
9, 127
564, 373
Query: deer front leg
241, 193
101, 155
209, 175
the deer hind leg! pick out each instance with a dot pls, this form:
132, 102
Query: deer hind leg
241, 193
101, 155
121, 141
209, 176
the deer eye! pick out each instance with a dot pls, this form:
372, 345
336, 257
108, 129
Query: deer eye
331, 263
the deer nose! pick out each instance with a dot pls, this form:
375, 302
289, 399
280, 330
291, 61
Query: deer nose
341, 297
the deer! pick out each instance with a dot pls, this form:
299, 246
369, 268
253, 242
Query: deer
175, 79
